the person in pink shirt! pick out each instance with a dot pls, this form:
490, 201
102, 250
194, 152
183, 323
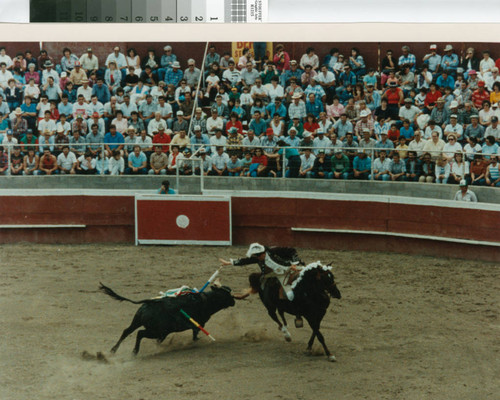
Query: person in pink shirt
335, 110
32, 74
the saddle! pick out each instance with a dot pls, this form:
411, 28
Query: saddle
292, 274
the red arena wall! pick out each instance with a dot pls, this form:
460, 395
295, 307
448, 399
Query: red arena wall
341, 222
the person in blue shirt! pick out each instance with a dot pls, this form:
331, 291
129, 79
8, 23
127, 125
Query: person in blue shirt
450, 60
313, 105
257, 124
113, 140
294, 72
276, 108
406, 130
137, 162
165, 188
174, 75
166, 61
361, 165
346, 78
29, 112
101, 90
445, 80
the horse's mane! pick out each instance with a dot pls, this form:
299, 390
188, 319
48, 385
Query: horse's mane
307, 272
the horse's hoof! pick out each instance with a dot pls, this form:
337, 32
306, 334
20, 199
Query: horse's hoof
299, 323
288, 338
113, 350
332, 358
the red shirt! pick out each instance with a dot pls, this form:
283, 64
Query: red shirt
431, 98
238, 125
311, 127
163, 139
478, 98
260, 160
393, 135
393, 96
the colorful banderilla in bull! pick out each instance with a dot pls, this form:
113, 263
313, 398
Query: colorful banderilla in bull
210, 280
197, 324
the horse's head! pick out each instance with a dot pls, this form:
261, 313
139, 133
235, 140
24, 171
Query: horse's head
320, 277
329, 283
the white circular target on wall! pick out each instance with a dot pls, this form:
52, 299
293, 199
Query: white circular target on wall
182, 221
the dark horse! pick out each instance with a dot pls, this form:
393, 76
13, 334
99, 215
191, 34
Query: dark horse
312, 290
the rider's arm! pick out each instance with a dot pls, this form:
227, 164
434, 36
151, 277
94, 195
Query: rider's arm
244, 261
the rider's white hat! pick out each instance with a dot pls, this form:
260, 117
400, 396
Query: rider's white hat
255, 248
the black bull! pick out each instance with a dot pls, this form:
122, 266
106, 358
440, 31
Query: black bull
160, 317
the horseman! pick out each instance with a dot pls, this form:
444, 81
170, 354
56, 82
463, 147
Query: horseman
274, 262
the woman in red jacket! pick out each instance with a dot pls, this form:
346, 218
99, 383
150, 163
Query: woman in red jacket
234, 122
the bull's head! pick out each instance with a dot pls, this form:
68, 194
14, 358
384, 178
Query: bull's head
224, 293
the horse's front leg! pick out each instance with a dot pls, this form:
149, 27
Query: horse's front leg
315, 327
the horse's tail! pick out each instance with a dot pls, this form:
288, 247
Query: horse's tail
116, 296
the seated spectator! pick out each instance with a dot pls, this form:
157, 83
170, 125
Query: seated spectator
361, 166
341, 166
492, 177
307, 164
442, 171
397, 168
489, 147
452, 147
66, 161
434, 146
393, 134
158, 162
381, 167
115, 165
113, 140
86, 164
428, 169
258, 167
48, 163
459, 169
234, 166
402, 148
16, 161
137, 162
322, 167
413, 167
478, 169
31, 162
219, 162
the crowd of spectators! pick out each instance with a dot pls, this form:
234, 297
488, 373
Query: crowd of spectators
327, 116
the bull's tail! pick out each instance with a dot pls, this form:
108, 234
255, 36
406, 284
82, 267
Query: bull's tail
116, 296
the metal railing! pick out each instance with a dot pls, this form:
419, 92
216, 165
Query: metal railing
372, 152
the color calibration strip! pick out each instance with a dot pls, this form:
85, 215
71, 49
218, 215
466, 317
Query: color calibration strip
149, 11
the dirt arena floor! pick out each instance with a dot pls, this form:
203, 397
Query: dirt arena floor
406, 328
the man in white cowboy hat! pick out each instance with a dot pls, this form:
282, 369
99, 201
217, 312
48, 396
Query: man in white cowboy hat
274, 262
49, 71
174, 75
297, 108
365, 121
450, 60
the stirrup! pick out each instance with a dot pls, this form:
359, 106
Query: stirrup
298, 322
